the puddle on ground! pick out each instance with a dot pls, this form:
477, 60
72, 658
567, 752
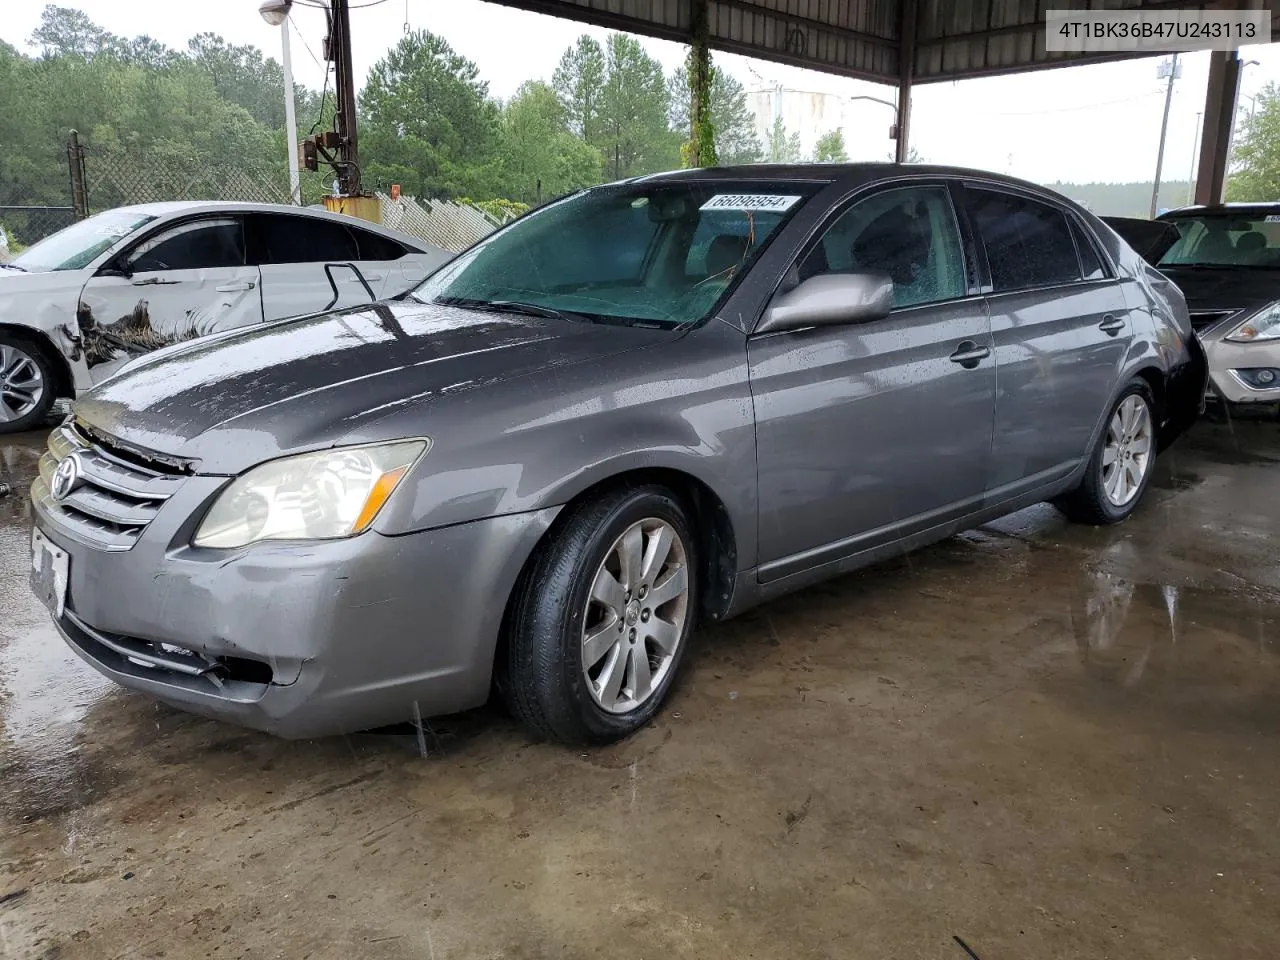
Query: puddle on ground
44, 688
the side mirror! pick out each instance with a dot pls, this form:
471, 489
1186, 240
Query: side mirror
115, 269
828, 300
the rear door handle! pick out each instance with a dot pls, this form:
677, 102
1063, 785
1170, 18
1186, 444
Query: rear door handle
969, 354
235, 286
1111, 325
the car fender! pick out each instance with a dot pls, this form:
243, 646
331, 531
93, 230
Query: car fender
45, 305
539, 441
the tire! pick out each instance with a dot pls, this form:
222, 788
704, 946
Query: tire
555, 610
27, 384
1093, 502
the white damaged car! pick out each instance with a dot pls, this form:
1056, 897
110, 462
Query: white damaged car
80, 304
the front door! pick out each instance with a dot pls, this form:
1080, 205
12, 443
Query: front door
184, 281
866, 433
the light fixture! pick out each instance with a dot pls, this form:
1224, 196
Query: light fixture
275, 12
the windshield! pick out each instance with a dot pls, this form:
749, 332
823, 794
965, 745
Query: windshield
657, 254
1225, 241
81, 243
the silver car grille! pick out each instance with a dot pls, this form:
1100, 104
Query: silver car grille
117, 492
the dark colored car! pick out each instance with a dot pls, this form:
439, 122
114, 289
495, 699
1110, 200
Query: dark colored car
649, 404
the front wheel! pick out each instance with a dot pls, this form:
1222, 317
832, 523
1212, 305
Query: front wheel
1121, 465
601, 619
26, 385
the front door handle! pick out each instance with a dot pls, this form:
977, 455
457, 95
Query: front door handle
154, 282
1111, 325
235, 286
969, 354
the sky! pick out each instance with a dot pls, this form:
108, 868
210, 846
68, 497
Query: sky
1075, 124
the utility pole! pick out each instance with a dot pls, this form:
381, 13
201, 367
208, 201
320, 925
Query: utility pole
1168, 68
1195, 151
344, 120
290, 120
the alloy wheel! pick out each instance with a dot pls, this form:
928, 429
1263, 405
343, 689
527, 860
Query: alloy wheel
22, 383
1126, 458
635, 618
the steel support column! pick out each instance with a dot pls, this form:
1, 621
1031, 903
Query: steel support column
906, 74
1219, 116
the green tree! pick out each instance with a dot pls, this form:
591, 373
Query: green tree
830, 148
242, 75
783, 147
625, 115
1256, 156
634, 106
428, 122
578, 81
540, 157
735, 125
67, 32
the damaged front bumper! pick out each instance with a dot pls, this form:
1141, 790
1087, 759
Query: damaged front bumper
296, 639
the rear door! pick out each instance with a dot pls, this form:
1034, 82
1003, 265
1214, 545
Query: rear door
183, 280
308, 264
1061, 328
386, 263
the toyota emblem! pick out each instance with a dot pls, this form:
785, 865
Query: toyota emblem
66, 478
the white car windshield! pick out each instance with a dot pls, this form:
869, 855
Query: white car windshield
655, 254
81, 243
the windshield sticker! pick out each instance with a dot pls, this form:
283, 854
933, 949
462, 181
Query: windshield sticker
1273, 218
749, 201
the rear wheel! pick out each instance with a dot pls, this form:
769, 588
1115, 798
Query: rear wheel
26, 385
601, 619
1121, 465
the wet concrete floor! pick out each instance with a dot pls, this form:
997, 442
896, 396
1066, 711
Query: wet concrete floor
1049, 741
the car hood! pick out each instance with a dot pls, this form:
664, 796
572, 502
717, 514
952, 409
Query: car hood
1217, 294
304, 384
17, 281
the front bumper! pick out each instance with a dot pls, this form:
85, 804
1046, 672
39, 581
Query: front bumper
354, 633
1226, 357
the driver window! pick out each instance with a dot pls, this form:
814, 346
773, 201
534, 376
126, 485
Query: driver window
196, 245
910, 233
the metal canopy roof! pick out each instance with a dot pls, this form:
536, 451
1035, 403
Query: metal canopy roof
862, 38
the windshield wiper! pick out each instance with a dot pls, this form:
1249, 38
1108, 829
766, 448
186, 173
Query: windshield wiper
511, 306
14, 266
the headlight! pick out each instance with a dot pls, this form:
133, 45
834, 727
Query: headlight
1263, 325
316, 496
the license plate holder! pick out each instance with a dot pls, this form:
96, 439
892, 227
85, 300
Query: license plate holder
50, 569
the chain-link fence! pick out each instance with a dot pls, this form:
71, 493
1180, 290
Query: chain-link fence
25, 225
115, 177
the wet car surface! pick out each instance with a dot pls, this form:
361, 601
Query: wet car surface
1047, 740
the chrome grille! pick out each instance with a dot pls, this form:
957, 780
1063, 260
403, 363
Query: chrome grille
115, 498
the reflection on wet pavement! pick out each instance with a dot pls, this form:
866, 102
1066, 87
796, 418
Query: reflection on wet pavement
1049, 740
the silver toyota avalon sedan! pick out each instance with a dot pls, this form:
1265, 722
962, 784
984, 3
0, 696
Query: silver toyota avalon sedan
647, 405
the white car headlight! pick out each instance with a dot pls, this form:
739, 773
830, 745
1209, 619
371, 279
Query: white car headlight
1263, 325
315, 496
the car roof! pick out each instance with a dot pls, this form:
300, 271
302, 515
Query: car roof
1225, 209
833, 172
172, 208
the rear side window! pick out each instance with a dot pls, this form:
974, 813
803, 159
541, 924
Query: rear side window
1028, 243
194, 245
280, 238
374, 246
1090, 263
